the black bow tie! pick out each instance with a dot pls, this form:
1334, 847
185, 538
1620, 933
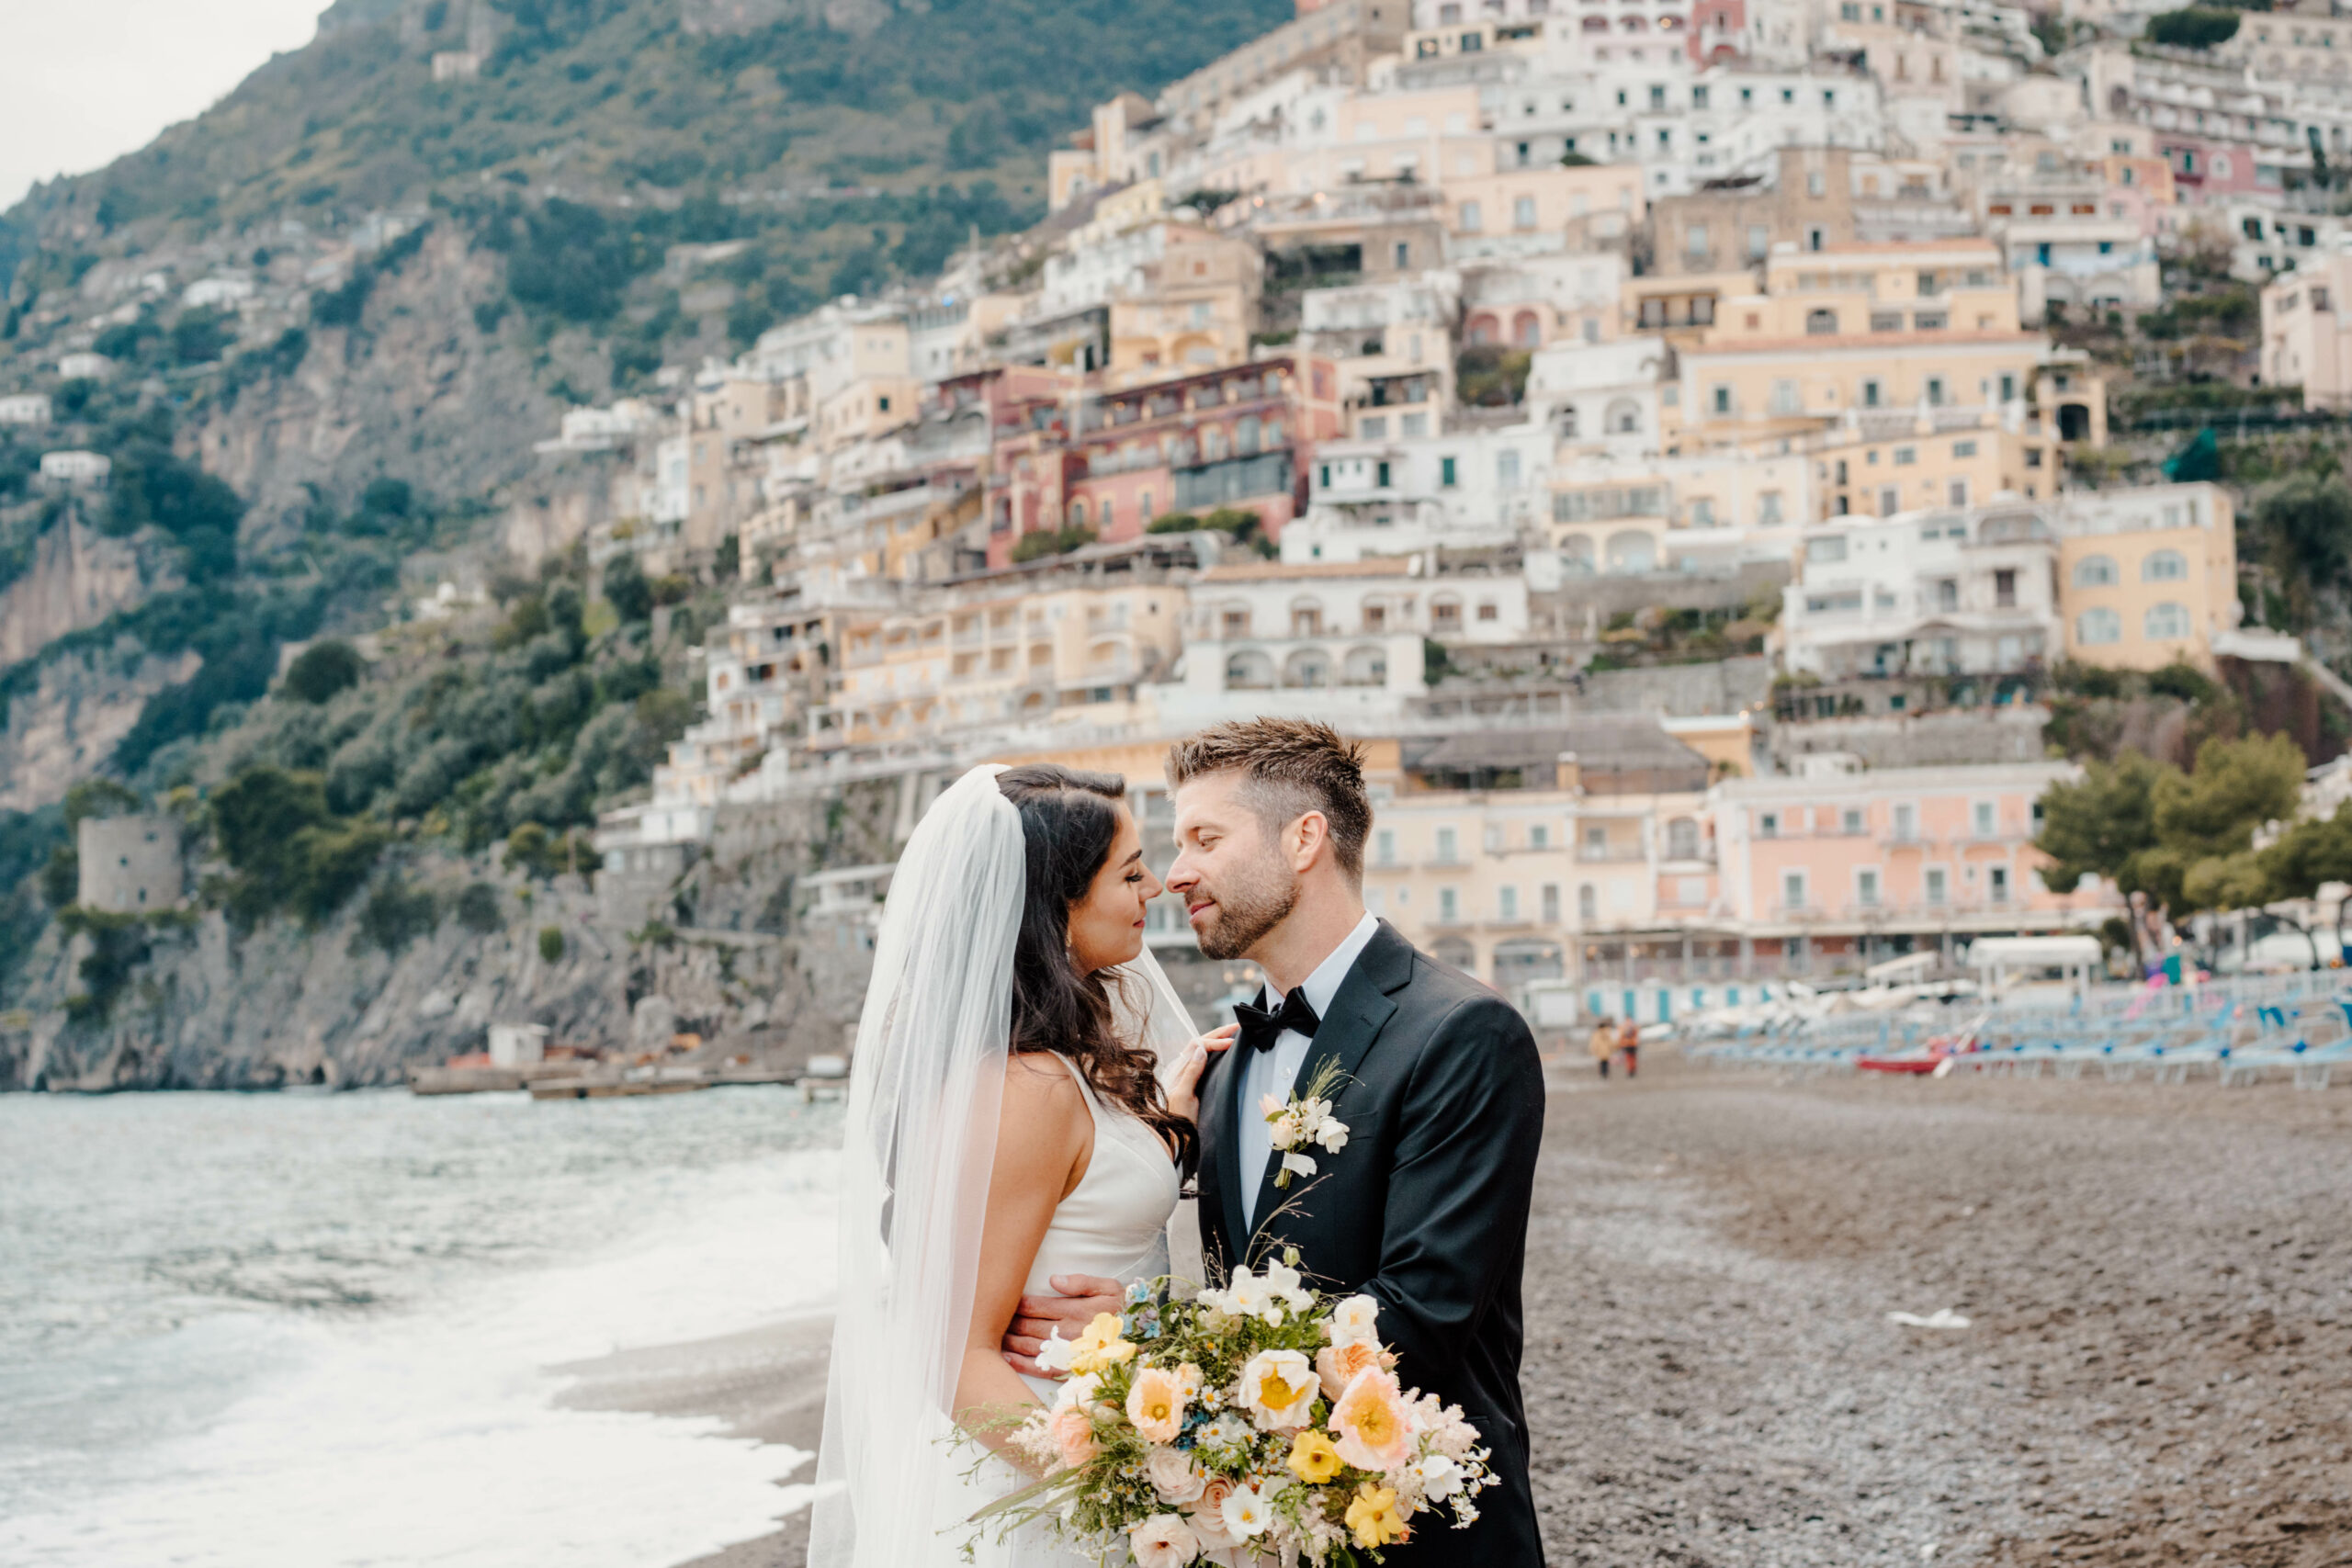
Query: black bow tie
1260, 1027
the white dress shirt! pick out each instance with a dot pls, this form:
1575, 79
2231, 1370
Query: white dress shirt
1274, 1072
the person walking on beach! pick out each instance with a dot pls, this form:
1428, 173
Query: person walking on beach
1603, 1046
1629, 1042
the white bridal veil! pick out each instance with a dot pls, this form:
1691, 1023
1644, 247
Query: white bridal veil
925, 1090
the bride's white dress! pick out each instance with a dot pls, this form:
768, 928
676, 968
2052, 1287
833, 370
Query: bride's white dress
1113, 1225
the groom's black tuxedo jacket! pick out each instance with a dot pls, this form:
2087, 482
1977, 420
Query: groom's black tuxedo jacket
1425, 1208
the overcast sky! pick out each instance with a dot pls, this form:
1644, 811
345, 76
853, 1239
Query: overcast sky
85, 82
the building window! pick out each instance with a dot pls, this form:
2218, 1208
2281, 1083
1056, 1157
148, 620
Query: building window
1446, 846
2166, 621
1383, 847
1934, 884
1471, 219
2165, 566
1522, 212
1866, 887
2096, 628
1445, 473
1793, 890
1507, 903
1588, 904
1820, 323
1767, 826
1722, 397
1449, 905
2095, 571
1550, 904
1872, 393
1539, 837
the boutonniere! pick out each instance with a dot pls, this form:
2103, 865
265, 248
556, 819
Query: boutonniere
1305, 1118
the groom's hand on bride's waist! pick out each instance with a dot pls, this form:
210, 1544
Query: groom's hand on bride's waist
1035, 1320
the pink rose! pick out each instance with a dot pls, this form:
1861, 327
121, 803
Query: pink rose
1074, 1435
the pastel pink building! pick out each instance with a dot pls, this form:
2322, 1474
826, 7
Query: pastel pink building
1846, 863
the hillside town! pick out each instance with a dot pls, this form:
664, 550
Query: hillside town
1434, 372
1652, 430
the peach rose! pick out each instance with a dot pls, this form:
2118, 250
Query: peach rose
1338, 1365
1206, 1516
1371, 1422
1074, 1435
1155, 1405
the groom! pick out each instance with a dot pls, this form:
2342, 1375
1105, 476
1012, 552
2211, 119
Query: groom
1426, 1206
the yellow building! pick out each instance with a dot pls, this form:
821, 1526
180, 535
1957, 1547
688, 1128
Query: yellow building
1044, 644
2147, 577
1880, 467
1854, 331
1194, 309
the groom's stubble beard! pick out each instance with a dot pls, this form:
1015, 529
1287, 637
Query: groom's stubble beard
1248, 910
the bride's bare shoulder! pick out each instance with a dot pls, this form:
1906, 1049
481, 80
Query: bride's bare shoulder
1039, 1083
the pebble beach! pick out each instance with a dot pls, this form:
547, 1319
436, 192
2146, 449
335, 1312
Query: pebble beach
2157, 1365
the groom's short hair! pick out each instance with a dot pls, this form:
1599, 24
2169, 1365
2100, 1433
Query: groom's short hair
1290, 766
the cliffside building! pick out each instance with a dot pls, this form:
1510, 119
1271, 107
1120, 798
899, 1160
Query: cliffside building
131, 865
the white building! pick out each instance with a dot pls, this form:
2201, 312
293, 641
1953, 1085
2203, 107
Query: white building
75, 467
1339, 639
1925, 593
1467, 487
25, 408
84, 367
217, 293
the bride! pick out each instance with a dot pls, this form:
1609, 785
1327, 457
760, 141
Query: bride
1021, 1107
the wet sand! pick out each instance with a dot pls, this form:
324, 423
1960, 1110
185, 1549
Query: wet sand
767, 1384
2157, 1370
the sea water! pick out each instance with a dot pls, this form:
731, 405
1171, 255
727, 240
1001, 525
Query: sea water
313, 1330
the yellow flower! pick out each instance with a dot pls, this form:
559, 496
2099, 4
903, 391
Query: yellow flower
1372, 1516
1313, 1458
1099, 1347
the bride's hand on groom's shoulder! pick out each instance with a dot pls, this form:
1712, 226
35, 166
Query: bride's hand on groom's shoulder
1183, 1082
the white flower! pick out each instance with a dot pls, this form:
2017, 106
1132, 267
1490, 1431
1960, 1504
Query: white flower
1438, 1476
1355, 1321
1333, 1136
1172, 1474
1055, 1353
1083, 1387
1278, 1389
1164, 1540
1246, 1294
1284, 1281
1245, 1512
1298, 1163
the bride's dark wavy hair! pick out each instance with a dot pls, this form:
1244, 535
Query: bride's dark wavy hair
1069, 821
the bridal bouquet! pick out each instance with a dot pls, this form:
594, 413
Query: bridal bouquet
1258, 1423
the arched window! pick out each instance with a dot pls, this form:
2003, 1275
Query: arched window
1576, 554
2095, 571
1526, 331
2166, 621
1364, 667
1078, 515
1249, 672
1682, 839
1630, 549
1624, 417
2163, 565
1307, 618
1308, 669
1820, 323
1568, 422
1485, 329
2096, 627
